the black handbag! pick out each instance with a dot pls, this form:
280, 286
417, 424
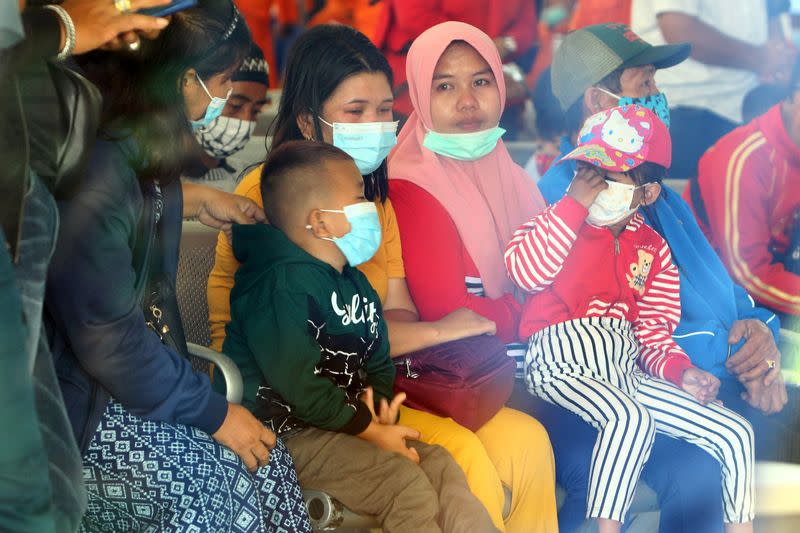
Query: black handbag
156, 286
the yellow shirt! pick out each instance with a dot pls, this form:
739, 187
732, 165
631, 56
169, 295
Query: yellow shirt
387, 263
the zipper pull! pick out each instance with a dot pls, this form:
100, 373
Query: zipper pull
410, 374
616, 246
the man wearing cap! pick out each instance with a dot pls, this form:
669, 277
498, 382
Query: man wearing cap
220, 158
718, 317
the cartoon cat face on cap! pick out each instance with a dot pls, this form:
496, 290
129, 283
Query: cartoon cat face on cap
622, 138
618, 133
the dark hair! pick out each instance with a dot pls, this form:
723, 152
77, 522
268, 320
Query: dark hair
320, 60
647, 172
142, 94
574, 116
759, 100
292, 173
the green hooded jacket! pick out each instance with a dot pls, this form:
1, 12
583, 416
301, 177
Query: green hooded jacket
307, 338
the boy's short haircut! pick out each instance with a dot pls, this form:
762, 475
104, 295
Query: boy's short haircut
293, 175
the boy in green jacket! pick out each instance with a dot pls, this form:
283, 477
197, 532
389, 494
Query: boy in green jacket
308, 335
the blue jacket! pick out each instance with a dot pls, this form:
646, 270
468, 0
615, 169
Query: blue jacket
100, 343
710, 301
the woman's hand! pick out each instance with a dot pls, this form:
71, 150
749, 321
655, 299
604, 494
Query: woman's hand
700, 384
98, 23
246, 437
461, 324
219, 209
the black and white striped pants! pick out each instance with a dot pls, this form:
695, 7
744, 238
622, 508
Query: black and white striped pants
588, 366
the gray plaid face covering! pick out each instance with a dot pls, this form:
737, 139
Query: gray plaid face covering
224, 136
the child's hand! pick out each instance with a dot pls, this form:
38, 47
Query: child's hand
586, 185
700, 384
392, 439
387, 414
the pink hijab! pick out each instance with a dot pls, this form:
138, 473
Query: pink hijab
487, 199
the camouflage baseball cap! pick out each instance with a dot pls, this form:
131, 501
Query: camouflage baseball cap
589, 54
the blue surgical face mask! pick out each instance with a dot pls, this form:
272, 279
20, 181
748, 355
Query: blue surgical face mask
361, 243
368, 143
463, 146
657, 103
214, 108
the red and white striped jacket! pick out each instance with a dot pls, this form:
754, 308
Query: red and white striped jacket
575, 270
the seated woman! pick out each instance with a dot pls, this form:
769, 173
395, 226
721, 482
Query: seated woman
161, 450
335, 80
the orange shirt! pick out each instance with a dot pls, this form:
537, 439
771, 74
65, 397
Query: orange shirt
387, 263
258, 15
589, 12
362, 15
586, 13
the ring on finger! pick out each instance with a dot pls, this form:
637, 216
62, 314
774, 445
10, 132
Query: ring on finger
770, 363
134, 45
123, 6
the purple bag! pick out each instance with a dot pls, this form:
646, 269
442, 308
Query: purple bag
468, 380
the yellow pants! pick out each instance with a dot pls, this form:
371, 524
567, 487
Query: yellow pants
511, 449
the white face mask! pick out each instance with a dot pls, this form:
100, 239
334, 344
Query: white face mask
612, 204
225, 136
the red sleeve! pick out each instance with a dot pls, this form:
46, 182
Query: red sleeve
436, 264
739, 208
287, 12
659, 314
538, 249
412, 17
522, 26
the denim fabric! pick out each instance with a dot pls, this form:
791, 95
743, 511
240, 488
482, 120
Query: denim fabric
25, 494
36, 245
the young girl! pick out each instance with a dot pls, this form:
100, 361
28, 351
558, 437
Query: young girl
604, 302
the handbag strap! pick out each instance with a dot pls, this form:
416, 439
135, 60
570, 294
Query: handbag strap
144, 247
155, 278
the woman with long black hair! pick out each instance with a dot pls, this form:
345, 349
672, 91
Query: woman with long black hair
161, 450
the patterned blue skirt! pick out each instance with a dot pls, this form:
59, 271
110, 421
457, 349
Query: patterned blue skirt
154, 477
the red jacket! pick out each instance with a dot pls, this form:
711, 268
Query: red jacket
440, 273
750, 185
575, 270
403, 21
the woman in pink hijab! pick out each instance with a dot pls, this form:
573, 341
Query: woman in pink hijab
459, 197
457, 193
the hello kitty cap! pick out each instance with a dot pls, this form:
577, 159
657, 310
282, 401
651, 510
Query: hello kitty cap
622, 138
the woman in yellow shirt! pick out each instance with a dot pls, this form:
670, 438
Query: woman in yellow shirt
336, 78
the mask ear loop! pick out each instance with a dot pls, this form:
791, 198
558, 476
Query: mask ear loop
609, 93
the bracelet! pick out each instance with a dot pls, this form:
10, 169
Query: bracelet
69, 29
